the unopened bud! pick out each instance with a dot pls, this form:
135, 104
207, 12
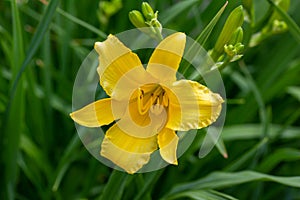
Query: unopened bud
137, 19
279, 27
147, 11
239, 48
230, 50
237, 36
235, 20
234, 50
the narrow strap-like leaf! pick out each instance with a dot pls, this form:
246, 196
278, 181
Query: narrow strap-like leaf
36, 40
224, 180
115, 187
175, 10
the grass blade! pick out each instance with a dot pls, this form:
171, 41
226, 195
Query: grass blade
294, 91
12, 130
115, 186
254, 131
81, 23
175, 10
281, 155
202, 195
35, 41
15, 108
246, 156
202, 38
149, 182
223, 180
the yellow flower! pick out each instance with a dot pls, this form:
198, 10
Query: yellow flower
147, 105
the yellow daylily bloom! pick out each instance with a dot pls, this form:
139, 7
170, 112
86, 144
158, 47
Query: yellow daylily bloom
147, 105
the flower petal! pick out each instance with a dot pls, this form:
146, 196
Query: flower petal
116, 61
167, 142
95, 114
191, 105
127, 152
166, 57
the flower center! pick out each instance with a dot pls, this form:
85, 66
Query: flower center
152, 97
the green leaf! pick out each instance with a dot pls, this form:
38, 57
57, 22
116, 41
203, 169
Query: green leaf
201, 39
294, 91
150, 180
12, 130
202, 195
254, 131
220, 180
114, 189
15, 108
66, 159
35, 154
235, 165
35, 42
176, 10
281, 155
293, 27
258, 97
81, 23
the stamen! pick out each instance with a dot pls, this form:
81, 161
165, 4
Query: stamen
140, 101
143, 108
146, 106
165, 100
155, 102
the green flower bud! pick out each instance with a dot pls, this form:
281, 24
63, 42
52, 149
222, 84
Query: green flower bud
279, 27
234, 50
233, 22
137, 19
147, 11
237, 36
239, 48
230, 50
147, 19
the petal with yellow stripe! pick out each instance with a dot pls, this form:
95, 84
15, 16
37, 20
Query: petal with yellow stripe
95, 114
167, 142
127, 152
116, 61
191, 105
165, 59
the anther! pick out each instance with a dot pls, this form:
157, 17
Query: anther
165, 100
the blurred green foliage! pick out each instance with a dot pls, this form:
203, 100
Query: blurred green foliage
42, 156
